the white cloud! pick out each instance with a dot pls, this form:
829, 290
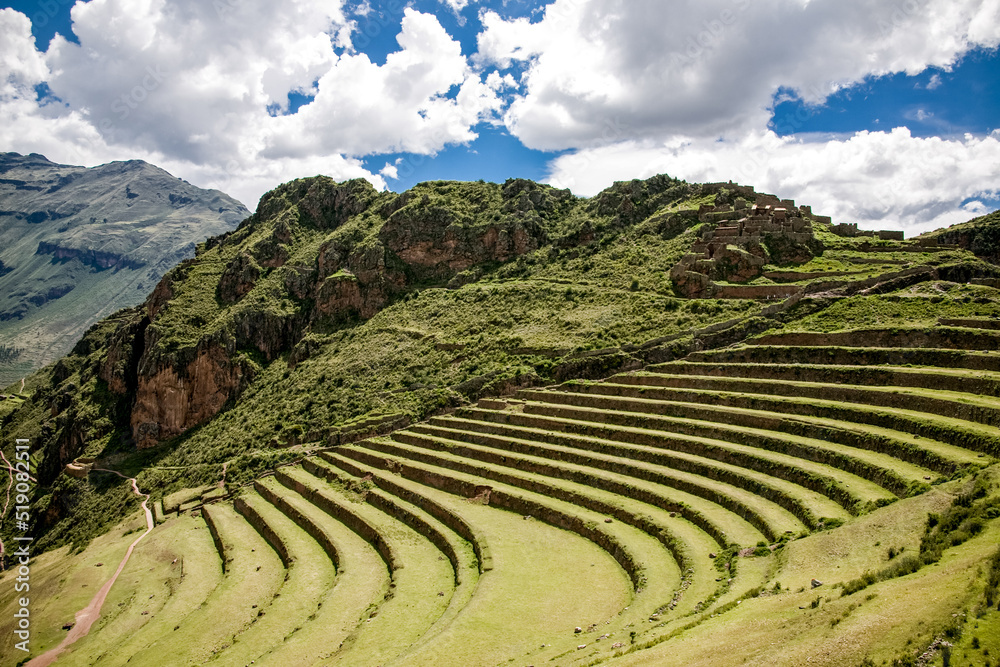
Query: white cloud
200, 88
934, 82
601, 71
456, 5
391, 169
884, 180
401, 106
688, 88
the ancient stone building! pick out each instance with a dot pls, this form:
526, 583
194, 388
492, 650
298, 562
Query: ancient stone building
734, 246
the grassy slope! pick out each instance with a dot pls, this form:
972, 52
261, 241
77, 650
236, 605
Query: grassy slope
607, 293
561, 297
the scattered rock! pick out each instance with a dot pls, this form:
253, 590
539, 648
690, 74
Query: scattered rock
816, 583
711, 555
607, 521
68, 626
581, 646
99, 565
673, 514
927, 477
440, 594
617, 645
578, 630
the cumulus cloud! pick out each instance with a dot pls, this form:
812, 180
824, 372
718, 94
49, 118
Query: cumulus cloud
202, 88
886, 180
401, 106
688, 88
23, 67
600, 71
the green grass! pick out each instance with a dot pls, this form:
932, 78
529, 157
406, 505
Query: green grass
415, 604
360, 585
62, 583
916, 307
899, 616
152, 596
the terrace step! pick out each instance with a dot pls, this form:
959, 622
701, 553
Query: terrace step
846, 436
967, 435
899, 478
852, 492
651, 568
971, 323
953, 405
852, 356
361, 581
952, 380
653, 572
545, 581
726, 526
748, 492
949, 338
309, 580
123, 641
253, 574
723, 526
463, 558
320, 467
696, 543
419, 571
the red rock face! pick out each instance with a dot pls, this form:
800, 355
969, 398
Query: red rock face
162, 293
338, 295
431, 254
168, 404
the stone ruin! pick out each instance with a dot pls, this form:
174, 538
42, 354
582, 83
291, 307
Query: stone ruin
850, 230
741, 239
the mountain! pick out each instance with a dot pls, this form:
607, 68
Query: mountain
77, 244
479, 423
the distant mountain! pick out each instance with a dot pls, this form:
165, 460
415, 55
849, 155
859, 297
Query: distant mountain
77, 244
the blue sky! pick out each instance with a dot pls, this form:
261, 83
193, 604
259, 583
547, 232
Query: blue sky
877, 113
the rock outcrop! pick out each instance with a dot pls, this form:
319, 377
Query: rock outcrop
177, 369
169, 400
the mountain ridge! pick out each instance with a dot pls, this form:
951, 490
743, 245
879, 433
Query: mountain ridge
79, 243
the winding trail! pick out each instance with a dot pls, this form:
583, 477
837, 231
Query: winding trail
85, 617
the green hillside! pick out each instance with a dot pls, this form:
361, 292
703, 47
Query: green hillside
979, 235
479, 424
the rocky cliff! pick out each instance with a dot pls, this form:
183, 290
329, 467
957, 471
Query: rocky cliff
315, 255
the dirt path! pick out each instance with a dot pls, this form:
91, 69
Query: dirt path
85, 617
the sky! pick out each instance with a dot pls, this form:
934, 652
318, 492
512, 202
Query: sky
881, 112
